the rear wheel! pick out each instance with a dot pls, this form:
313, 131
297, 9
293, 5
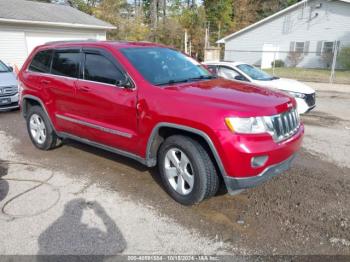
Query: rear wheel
40, 130
188, 173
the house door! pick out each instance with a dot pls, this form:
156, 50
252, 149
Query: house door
269, 54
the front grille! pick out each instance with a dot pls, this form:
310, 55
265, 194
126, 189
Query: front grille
310, 99
285, 125
8, 90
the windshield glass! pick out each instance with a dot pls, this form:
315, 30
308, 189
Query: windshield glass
3, 68
255, 73
161, 66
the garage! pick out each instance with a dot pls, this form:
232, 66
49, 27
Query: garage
26, 24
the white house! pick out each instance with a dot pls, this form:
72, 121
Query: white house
311, 31
26, 24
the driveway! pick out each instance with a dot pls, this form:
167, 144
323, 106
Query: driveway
80, 200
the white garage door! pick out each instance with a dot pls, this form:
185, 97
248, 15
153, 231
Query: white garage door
13, 48
35, 39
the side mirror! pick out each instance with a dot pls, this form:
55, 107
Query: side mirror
10, 68
126, 83
240, 78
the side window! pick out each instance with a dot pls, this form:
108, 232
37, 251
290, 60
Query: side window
100, 69
212, 69
41, 62
66, 63
227, 73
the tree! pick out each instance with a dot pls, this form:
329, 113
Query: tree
194, 20
121, 14
219, 15
294, 58
247, 12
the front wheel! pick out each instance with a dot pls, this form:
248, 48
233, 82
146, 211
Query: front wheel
187, 171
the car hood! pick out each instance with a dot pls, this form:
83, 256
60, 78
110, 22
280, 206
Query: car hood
287, 85
7, 79
244, 99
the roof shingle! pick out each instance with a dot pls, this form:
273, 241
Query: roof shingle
31, 11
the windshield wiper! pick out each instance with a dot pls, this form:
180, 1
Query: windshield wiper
172, 81
202, 78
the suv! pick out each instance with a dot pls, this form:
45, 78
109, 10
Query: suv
8, 88
160, 107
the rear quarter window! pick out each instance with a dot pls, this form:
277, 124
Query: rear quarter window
41, 62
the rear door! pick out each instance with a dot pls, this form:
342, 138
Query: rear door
105, 110
61, 84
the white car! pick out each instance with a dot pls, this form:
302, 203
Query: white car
303, 94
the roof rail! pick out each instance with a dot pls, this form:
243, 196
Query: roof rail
71, 41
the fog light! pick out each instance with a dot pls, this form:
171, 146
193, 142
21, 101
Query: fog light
258, 161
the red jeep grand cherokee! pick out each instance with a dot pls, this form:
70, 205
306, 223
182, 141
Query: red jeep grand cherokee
160, 107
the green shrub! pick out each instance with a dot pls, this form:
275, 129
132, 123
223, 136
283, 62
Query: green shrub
344, 57
278, 63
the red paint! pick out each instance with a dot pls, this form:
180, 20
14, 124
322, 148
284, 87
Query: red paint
202, 105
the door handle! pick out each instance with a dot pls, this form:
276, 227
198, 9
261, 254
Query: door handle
84, 89
45, 82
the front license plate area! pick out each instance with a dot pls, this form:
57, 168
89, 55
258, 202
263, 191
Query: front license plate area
5, 101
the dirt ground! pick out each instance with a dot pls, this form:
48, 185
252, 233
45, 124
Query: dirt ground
304, 211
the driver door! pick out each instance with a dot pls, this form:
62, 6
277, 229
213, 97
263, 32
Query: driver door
105, 112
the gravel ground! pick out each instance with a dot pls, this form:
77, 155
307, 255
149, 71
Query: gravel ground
69, 216
91, 201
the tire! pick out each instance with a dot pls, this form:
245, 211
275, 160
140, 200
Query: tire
40, 130
187, 183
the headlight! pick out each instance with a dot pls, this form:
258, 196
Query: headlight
297, 95
251, 125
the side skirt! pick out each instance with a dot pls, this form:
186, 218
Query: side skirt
143, 161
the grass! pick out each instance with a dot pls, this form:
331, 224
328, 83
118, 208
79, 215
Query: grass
312, 75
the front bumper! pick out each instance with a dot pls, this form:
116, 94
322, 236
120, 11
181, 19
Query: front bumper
12, 104
305, 105
234, 184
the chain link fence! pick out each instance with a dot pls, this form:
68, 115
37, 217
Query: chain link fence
318, 61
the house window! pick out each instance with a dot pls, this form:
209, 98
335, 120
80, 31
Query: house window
328, 47
299, 47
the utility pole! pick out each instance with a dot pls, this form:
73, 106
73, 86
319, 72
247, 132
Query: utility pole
206, 38
334, 62
186, 40
219, 33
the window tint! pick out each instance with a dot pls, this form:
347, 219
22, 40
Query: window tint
100, 69
66, 63
41, 62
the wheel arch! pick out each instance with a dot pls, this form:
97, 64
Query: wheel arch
29, 100
163, 130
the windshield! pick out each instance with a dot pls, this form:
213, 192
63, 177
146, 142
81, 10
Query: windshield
255, 73
3, 68
162, 66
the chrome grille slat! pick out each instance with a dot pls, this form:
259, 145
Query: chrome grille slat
291, 122
8, 90
280, 126
285, 125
